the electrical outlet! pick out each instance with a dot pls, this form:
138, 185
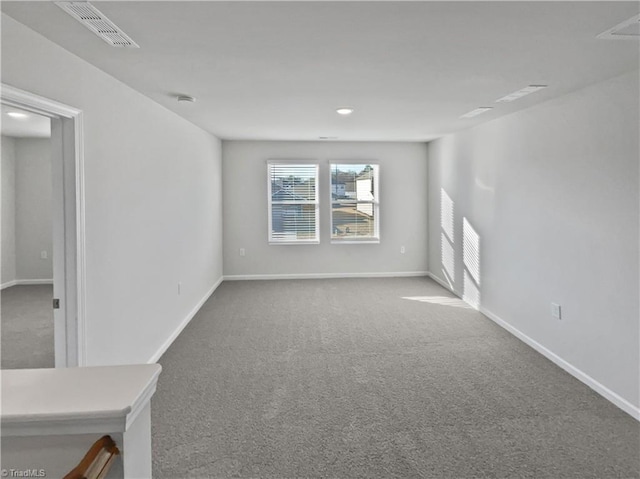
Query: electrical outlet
402, 250
44, 255
242, 251
556, 311
179, 288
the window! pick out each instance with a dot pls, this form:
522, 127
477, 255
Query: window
293, 202
354, 203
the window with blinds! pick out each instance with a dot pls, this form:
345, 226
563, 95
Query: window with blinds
293, 202
355, 203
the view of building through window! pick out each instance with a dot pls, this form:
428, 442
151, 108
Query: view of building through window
354, 202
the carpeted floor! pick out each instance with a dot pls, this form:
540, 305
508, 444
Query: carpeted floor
347, 379
26, 328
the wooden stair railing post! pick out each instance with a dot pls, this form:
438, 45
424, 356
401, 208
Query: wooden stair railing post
97, 461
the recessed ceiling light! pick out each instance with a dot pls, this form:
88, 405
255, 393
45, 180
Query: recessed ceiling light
344, 111
477, 111
328, 137
186, 99
17, 114
520, 93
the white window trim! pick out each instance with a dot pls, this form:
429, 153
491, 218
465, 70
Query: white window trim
293, 162
376, 202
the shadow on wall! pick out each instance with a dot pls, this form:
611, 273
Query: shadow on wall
470, 252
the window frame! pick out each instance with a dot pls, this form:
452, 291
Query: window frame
375, 239
292, 163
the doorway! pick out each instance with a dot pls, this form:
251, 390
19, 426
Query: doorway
27, 241
67, 225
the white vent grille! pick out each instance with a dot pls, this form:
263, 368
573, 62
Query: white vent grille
627, 30
95, 21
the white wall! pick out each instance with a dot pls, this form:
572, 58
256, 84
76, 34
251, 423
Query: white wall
33, 214
153, 200
552, 192
403, 210
8, 174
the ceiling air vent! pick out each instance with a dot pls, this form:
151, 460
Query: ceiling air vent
99, 24
627, 30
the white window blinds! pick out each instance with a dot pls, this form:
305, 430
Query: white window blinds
293, 202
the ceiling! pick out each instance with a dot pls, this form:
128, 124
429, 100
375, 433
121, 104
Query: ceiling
24, 125
279, 70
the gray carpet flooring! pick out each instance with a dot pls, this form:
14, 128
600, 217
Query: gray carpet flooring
348, 379
26, 327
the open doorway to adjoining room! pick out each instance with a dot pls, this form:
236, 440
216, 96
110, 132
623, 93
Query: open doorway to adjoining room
42, 264
27, 241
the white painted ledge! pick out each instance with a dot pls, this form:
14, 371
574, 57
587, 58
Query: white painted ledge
105, 399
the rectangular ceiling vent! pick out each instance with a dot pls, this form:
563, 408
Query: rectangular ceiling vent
627, 30
98, 23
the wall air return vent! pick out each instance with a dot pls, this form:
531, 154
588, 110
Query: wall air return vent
627, 30
99, 24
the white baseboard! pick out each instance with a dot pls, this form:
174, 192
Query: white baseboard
605, 392
246, 277
158, 354
34, 281
443, 284
8, 284
18, 282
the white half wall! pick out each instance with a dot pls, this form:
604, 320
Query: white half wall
153, 200
403, 212
8, 174
33, 214
553, 195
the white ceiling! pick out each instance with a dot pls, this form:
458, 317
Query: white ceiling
278, 70
30, 125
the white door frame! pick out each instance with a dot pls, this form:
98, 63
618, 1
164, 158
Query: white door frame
68, 220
